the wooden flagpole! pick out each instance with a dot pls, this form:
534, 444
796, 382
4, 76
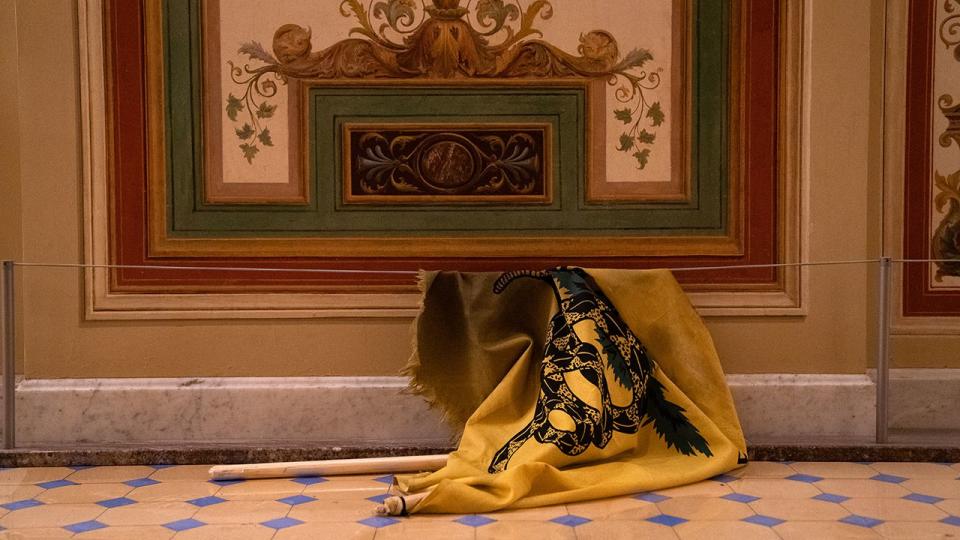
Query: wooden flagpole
330, 467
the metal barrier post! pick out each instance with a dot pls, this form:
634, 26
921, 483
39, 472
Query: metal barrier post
883, 344
8, 351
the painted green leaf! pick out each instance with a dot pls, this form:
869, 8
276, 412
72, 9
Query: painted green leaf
634, 58
626, 142
245, 132
265, 137
623, 115
646, 137
642, 157
234, 105
265, 110
249, 151
655, 113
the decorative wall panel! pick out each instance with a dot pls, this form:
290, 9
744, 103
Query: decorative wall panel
483, 136
931, 177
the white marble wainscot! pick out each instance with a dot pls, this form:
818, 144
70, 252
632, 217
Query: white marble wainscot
356, 411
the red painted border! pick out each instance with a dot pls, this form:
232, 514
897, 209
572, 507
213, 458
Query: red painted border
127, 90
919, 299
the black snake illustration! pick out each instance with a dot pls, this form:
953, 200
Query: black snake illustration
567, 351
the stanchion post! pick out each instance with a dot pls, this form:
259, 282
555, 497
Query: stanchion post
883, 347
8, 350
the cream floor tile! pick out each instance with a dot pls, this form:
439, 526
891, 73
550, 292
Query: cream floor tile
724, 530
815, 530
33, 475
525, 530
894, 509
18, 492
241, 512
148, 513
84, 493
260, 490
619, 508
707, 488
101, 475
950, 506
774, 488
50, 515
35, 534
915, 470
705, 508
542, 513
224, 532
918, 530
335, 483
945, 488
799, 509
325, 531
624, 530
855, 487
413, 528
194, 473
185, 490
834, 469
763, 469
333, 509
151, 532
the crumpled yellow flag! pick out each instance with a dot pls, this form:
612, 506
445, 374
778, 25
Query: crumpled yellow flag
570, 384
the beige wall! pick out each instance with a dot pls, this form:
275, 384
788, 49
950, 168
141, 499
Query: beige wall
844, 213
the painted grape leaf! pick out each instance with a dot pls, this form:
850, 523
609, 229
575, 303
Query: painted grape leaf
643, 156
655, 114
624, 115
626, 142
249, 151
646, 137
234, 105
264, 137
265, 110
245, 132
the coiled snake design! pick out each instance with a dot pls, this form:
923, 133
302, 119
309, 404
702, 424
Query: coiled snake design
566, 351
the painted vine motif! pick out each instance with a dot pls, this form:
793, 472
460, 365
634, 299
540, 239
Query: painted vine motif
950, 27
443, 40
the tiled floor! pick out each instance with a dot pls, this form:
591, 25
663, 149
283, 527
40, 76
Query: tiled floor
763, 500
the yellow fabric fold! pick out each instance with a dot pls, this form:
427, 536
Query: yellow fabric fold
560, 398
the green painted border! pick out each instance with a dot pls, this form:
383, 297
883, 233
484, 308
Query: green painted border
188, 216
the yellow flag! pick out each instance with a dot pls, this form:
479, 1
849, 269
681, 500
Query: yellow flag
570, 384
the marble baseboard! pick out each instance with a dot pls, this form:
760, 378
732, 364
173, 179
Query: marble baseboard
376, 412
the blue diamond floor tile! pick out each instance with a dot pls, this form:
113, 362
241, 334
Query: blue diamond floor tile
379, 498
474, 520
225, 483
388, 479
281, 523
862, 521
141, 482
84, 526
888, 478
296, 499
921, 498
808, 478
184, 524
55, 484
650, 497
740, 498
113, 503
378, 521
310, 480
724, 478
766, 521
206, 501
570, 520
667, 519
951, 520
831, 497
20, 505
